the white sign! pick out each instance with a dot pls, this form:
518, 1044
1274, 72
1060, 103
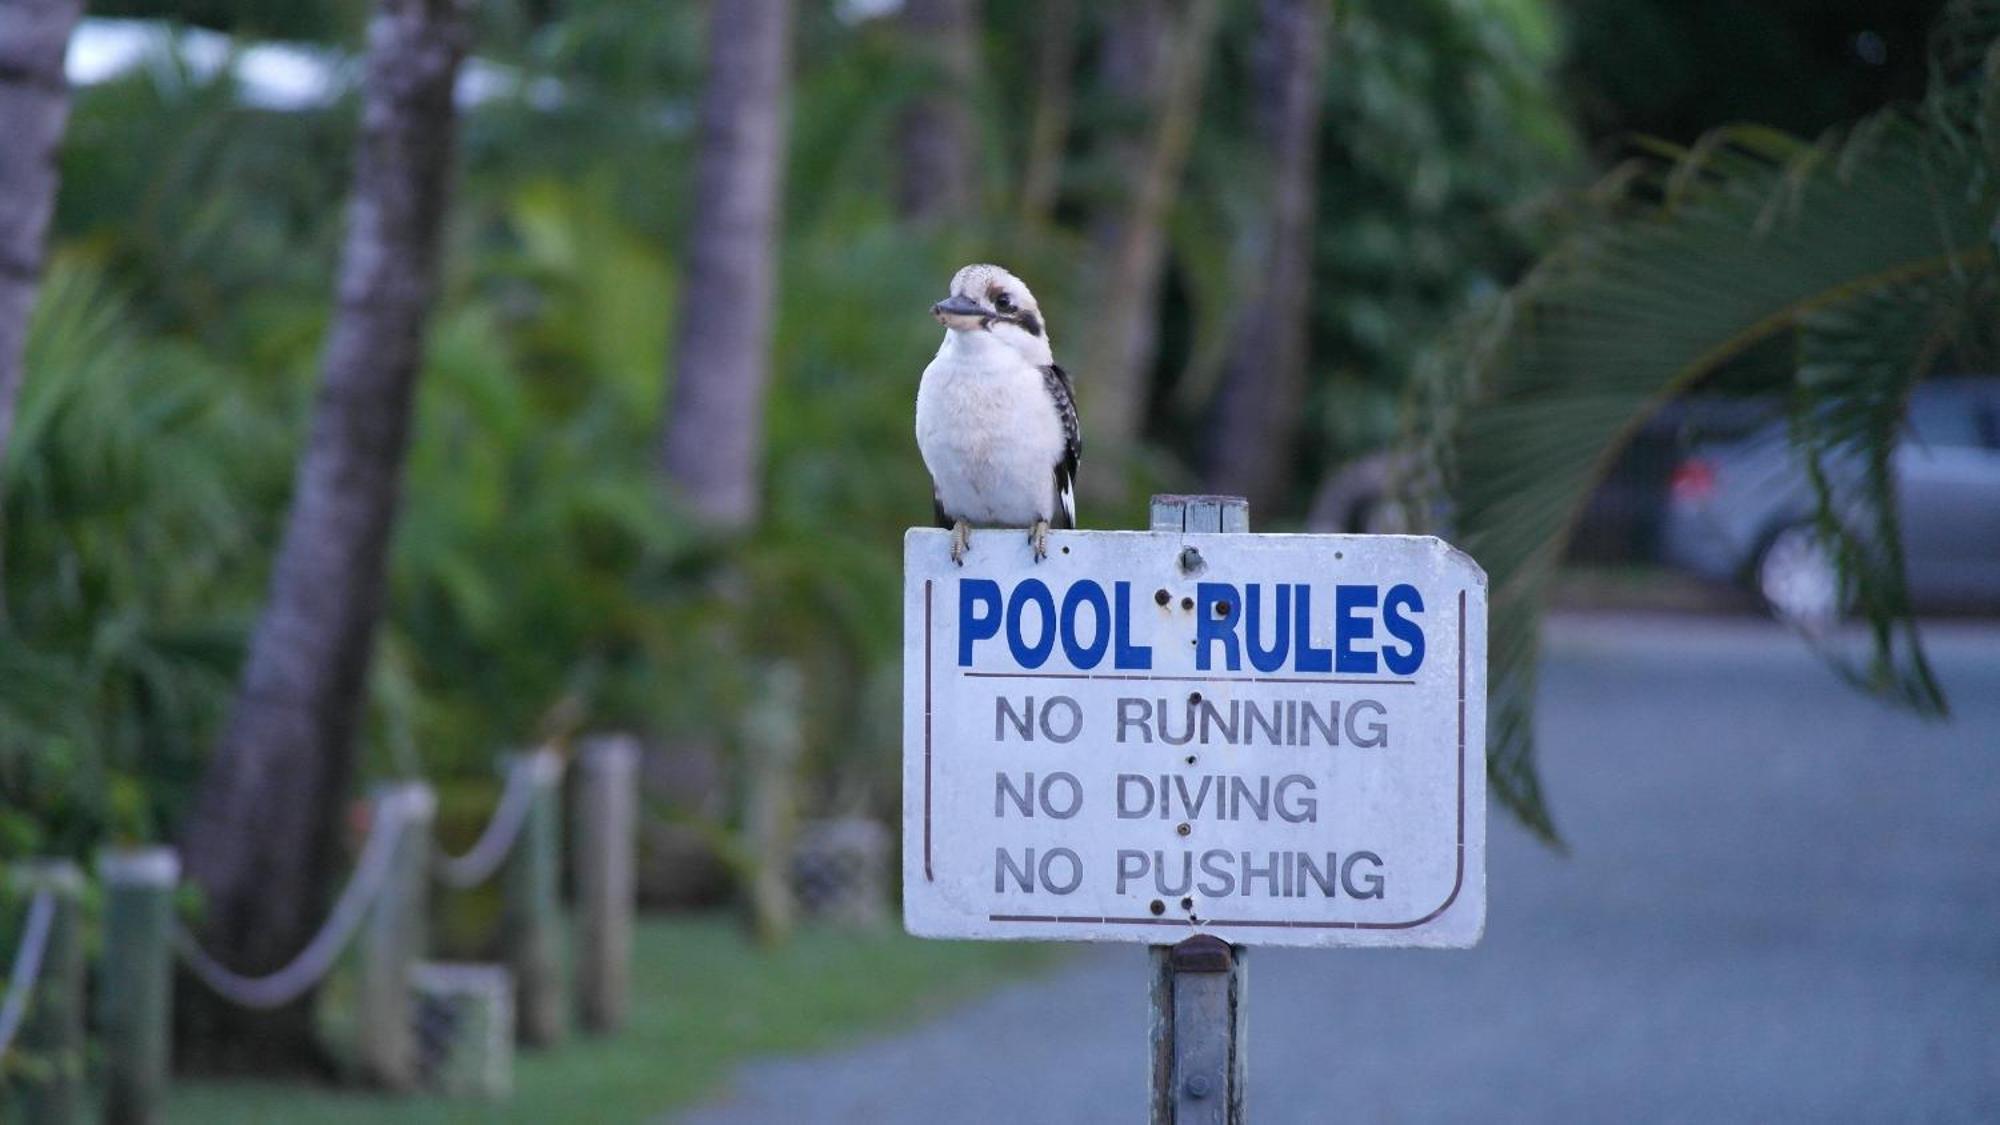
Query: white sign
1275, 739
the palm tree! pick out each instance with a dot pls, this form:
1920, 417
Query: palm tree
34, 104
1156, 58
262, 838
1048, 132
1870, 255
1264, 372
937, 178
713, 447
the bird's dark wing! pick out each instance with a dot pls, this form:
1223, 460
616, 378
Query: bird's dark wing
1057, 381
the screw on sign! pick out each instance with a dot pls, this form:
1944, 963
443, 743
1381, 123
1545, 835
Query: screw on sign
1200, 736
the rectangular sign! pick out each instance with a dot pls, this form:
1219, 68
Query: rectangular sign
1275, 739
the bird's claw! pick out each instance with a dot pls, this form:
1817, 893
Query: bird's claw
1038, 538
961, 541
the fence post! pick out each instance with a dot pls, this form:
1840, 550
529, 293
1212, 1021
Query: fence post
393, 939
773, 741
48, 1051
607, 826
531, 920
135, 981
1200, 987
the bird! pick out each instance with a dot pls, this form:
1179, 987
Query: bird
996, 416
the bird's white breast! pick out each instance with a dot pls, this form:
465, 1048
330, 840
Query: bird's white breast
989, 433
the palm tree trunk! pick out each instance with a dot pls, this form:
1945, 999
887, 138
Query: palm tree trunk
714, 440
936, 179
1049, 133
1263, 377
1155, 60
263, 840
34, 105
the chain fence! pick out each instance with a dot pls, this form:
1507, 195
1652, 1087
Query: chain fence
282, 986
27, 966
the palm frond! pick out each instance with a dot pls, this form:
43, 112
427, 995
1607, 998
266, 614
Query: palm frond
1749, 236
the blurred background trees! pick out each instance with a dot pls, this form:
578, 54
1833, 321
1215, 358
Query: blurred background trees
262, 840
1242, 218
714, 440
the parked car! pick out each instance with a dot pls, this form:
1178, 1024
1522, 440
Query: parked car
1743, 510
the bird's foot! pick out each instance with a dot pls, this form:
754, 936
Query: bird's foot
1038, 538
961, 541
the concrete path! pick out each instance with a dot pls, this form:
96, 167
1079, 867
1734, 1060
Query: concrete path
1783, 904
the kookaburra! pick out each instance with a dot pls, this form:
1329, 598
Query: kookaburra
996, 419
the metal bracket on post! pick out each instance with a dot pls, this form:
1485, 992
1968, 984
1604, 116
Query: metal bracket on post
1200, 986
1200, 513
1198, 1045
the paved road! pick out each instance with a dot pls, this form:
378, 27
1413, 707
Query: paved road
1783, 905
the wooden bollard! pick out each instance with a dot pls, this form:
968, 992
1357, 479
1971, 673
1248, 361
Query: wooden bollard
47, 1063
393, 940
1199, 989
773, 742
135, 981
531, 919
607, 838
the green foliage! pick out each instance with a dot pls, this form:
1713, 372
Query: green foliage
277, 19
1675, 69
126, 562
1440, 131
218, 220
1870, 255
539, 582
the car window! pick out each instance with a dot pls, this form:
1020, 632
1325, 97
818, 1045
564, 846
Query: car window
1940, 421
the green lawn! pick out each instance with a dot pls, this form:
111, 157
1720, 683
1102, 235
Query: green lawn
703, 1001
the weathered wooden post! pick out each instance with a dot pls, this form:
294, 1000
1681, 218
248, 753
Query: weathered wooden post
772, 743
135, 981
393, 939
1200, 987
531, 920
48, 1059
607, 836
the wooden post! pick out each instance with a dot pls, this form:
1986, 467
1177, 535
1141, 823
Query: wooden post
607, 840
1200, 987
393, 939
531, 920
47, 1059
135, 981
772, 743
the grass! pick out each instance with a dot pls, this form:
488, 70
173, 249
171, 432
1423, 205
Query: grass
703, 1001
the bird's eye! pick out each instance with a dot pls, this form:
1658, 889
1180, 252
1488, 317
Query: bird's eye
1004, 303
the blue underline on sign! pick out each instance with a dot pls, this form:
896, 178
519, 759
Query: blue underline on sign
1182, 679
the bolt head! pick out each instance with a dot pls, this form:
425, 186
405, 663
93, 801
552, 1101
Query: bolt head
1198, 1086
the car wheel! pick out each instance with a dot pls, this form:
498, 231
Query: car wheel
1799, 579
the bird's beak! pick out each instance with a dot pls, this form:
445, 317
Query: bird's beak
953, 312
